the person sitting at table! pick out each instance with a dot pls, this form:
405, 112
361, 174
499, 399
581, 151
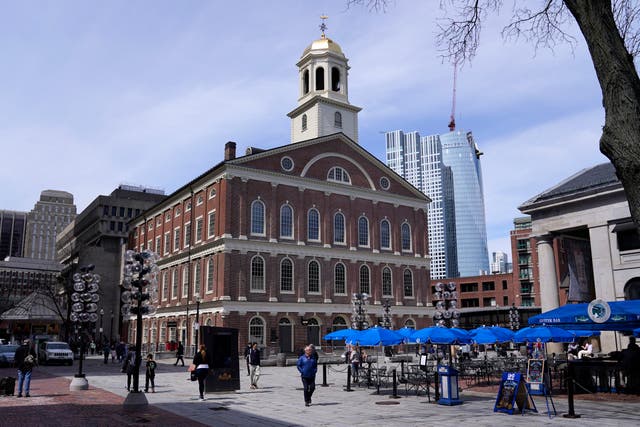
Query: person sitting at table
355, 364
572, 351
587, 350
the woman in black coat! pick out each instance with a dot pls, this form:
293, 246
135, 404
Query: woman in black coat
202, 368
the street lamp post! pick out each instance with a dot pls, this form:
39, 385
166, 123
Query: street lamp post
446, 313
359, 318
111, 328
514, 317
101, 329
83, 313
140, 284
386, 314
196, 324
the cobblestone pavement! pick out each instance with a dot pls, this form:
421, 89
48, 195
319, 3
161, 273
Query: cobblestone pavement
277, 402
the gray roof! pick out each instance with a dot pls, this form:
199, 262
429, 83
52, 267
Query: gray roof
35, 306
593, 179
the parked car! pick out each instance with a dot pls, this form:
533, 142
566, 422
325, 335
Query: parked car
7, 353
55, 352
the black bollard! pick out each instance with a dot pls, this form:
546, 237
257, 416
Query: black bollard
348, 379
570, 391
395, 387
324, 375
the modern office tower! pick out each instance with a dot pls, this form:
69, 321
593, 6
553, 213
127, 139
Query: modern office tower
50, 215
447, 169
12, 231
499, 262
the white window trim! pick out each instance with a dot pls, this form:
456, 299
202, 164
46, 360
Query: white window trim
368, 245
344, 231
167, 237
184, 283
206, 285
212, 193
176, 247
211, 233
184, 234
199, 236
264, 219
413, 285
264, 276
319, 239
196, 265
382, 283
293, 231
175, 279
346, 290
293, 277
319, 292
165, 281
410, 250
390, 247
199, 200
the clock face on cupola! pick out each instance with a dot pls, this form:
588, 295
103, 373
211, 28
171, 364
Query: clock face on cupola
323, 101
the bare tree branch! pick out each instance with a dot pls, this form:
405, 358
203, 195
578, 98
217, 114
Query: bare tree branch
371, 5
626, 14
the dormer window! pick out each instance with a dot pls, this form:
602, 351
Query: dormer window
338, 174
337, 119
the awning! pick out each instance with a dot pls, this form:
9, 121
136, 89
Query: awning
625, 316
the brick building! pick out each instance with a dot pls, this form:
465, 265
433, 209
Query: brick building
276, 242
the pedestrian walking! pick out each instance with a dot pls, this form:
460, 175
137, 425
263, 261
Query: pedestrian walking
150, 374
106, 351
179, 354
129, 366
254, 365
92, 346
201, 362
308, 367
247, 350
24, 360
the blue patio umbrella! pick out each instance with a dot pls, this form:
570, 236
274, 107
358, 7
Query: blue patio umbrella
491, 335
342, 334
441, 335
376, 336
406, 333
624, 316
636, 332
544, 334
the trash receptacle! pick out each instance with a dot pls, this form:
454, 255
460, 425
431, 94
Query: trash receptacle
448, 386
281, 359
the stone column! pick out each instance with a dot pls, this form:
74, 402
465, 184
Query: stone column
549, 298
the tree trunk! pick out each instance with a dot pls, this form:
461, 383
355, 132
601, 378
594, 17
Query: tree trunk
620, 85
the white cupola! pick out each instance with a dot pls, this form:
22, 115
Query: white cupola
323, 102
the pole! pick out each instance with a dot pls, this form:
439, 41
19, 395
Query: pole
570, 391
136, 373
111, 328
348, 379
324, 375
80, 374
197, 322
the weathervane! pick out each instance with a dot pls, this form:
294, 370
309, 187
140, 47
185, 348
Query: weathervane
323, 26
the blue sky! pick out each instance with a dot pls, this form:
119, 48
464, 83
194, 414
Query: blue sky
95, 94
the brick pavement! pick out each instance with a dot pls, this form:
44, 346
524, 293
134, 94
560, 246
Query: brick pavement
52, 404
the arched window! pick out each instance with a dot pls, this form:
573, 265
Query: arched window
257, 218
165, 286
339, 323
174, 284
335, 79
405, 233
163, 332
286, 275
337, 119
210, 275
365, 280
338, 174
340, 279
385, 234
196, 278
313, 225
409, 323
314, 277
632, 289
304, 122
286, 222
185, 281
338, 228
387, 285
363, 231
256, 330
319, 78
407, 280
257, 273
305, 82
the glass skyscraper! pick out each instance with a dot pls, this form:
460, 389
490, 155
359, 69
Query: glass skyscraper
447, 169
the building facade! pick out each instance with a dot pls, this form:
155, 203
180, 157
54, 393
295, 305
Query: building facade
276, 243
50, 215
500, 263
13, 227
525, 262
98, 236
586, 242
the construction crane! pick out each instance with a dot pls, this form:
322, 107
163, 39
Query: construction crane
452, 122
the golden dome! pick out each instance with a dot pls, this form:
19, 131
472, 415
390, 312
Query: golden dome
323, 43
